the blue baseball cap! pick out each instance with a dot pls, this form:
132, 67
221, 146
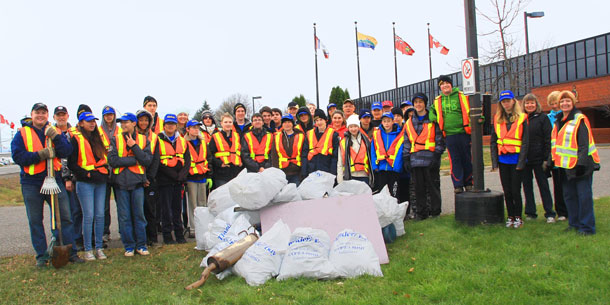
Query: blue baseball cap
303, 110
170, 118
387, 115
193, 123
288, 117
108, 110
506, 94
364, 113
406, 103
128, 116
376, 105
331, 105
86, 116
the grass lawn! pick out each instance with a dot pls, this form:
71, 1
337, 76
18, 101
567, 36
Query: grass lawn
438, 261
10, 190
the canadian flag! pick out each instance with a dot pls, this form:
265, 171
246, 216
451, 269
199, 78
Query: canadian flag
434, 44
2, 120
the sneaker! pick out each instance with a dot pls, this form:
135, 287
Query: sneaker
129, 252
99, 253
89, 256
561, 218
518, 223
550, 220
530, 218
458, 190
41, 263
509, 222
143, 251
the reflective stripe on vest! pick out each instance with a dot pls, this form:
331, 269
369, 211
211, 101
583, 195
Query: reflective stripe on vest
391, 154
324, 146
106, 138
199, 163
564, 143
228, 155
170, 156
122, 152
32, 144
422, 141
509, 142
86, 160
258, 152
358, 161
153, 138
159, 126
297, 145
465, 109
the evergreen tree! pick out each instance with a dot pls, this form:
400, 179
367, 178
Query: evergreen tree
205, 106
300, 100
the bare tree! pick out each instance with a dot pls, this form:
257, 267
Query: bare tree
230, 102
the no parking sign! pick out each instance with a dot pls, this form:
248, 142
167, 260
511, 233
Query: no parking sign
468, 83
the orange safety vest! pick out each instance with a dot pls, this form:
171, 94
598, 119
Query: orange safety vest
422, 141
225, 153
295, 158
391, 154
106, 138
258, 152
509, 142
358, 161
122, 152
207, 137
170, 156
324, 146
465, 107
153, 138
32, 144
159, 126
86, 160
199, 162
564, 143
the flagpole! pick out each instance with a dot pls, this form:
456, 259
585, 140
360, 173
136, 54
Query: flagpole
430, 63
395, 65
358, 61
315, 37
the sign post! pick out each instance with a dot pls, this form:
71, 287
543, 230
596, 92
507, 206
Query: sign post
469, 85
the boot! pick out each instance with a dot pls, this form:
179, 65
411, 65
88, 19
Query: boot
168, 239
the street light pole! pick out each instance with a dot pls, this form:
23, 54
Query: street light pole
255, 98
527, 44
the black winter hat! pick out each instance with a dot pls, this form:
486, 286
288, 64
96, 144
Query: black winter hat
397, 111
445, 78
148, 99
319, 113
420, 95
237, 106
82, 108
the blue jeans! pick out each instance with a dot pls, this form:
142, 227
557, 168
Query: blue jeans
578, 195
460, 156
132, 223
91, 197
34, 206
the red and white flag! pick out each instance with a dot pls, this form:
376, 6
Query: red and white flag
434, 44
320, 45
2, 120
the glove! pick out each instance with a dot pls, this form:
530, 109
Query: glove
210, 183
580, 170
545, 165
51, 133
46, 153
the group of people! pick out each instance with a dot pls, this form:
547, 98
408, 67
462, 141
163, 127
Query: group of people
160, 169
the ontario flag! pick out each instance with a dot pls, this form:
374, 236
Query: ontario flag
434, 44
320, 45
402, 46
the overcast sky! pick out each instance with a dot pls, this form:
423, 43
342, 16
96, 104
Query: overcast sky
184, 52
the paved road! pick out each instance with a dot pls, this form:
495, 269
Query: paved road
15, 236
9, 169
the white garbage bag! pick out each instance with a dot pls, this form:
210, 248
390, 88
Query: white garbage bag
289, 193
220, 199
219, 228
255, 190
316, 185
203, 218
262, 261
399, 221
352, 255
349, 188
386, 206
307, 256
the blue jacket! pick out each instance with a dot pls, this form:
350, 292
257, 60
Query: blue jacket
22, 157
423, 158
388, 138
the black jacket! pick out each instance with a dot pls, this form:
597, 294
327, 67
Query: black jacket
246, 159
126, 179
173, 175
219, 172
585, 164
321, 162
524, 145
539, 138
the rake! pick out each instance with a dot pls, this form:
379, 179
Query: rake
50, 186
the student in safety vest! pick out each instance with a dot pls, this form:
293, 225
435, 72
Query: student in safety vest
196, 183
225, 152
276, 118
241, 123
403, 192
451, 111
574, 152
304, 120
353, 155
268, 123
376, 111
129, 157
509, 145
89, 164
292, 109
174, 166
422, 150
386, 154
323, 144
183, 118
289, 152
208, 126
365, 123
256, 146
152, 207
338, 123
30, 151
150, 104
552, 101
108, 130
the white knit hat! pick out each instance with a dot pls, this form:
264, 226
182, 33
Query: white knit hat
353, 120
